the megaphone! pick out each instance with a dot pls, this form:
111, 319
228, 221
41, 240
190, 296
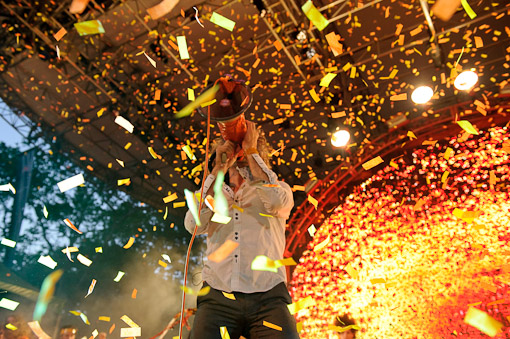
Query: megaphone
233, 98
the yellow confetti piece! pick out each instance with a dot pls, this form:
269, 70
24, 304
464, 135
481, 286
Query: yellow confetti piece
103, 318
128, 321
270, 325
119, 276
166, 213
170, 198
192, 206
223, 251
224, 332
411, 135
179, 204
445, 176
189, 152
202, 98
223, 22
313, 14
230, 296
183, 47
466, 126
263, 263
301, 304
203, 291
313, 201
378, 281
153, 153
482, 321
89, 27
448, 153
343, 329
11, 327
266, 215
314, 95
162, 263
372, 163
468, 9
129, 243
126, 182
191, 94
351, 271
321, 245
326, 80
238, 208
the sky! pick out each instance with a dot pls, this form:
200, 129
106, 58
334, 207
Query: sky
8, 134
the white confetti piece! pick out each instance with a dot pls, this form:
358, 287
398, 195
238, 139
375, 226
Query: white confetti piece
9, 304
71, 182
47, 261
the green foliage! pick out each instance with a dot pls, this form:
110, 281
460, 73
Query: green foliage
108, 218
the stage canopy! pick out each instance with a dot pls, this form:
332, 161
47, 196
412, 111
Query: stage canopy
68, 74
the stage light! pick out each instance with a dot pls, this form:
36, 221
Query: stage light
310, 52
340, 138
422, 94
465, 80
301, 36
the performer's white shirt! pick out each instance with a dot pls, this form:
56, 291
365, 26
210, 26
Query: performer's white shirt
259, 210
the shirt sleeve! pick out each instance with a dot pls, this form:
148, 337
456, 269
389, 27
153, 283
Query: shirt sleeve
277, 198
205, 216
205, 213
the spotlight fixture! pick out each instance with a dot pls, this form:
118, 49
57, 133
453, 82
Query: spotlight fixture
260, 6
340, 138
465, 80
422, 94
310, 52
301, 36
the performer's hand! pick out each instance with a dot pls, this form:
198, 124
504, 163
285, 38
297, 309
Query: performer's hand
251, 137
225, 157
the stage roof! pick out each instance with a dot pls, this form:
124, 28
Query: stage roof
72, 90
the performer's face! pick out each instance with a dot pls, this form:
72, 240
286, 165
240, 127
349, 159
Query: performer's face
347, 335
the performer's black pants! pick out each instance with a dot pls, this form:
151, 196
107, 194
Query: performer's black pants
245, 316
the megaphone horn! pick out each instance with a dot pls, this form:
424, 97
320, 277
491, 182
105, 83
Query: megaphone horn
232, 99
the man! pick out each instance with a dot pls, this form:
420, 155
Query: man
247, 303
345, 327
68, 332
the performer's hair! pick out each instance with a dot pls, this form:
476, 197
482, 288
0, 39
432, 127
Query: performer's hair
345, 320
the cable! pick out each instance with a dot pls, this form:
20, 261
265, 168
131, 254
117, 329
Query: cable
196, 226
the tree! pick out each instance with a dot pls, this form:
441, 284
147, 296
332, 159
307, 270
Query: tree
108, 219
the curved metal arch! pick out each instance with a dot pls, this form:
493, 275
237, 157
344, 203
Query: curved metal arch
327, 190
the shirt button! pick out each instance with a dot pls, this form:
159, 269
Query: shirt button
237, 238
235, 255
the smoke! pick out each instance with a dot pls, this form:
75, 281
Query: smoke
158, 294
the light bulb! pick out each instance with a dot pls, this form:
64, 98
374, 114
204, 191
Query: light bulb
422, 94
340, 138
465, 80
